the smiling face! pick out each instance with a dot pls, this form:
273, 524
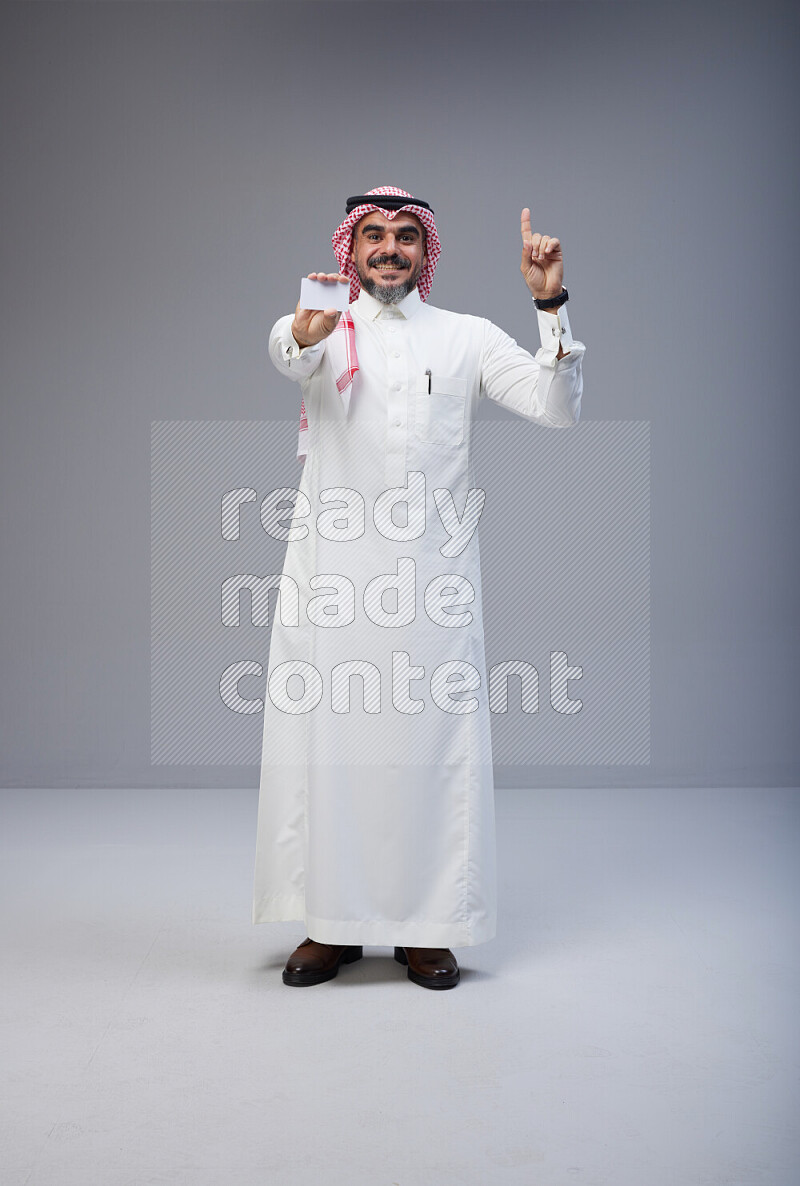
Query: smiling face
389, 254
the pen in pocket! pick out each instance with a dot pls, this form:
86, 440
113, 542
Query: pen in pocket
428, 373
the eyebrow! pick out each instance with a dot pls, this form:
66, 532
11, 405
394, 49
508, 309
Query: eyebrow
407, 229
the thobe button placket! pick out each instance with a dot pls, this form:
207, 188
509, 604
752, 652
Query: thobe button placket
395, 411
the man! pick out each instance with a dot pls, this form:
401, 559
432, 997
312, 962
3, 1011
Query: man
376, 806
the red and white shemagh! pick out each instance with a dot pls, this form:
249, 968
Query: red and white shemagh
341, 345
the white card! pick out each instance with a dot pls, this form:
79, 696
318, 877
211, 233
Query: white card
324, 294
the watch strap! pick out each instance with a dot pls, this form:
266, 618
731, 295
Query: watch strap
551, 303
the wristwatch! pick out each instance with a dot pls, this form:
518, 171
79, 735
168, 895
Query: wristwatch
552, 302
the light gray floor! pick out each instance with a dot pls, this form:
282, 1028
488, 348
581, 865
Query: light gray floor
633, 1024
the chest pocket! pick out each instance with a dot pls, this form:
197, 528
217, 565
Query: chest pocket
439, 415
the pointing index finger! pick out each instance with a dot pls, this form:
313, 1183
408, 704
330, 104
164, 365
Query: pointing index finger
526, 226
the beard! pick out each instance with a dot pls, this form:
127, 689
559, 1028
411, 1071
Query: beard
389, 294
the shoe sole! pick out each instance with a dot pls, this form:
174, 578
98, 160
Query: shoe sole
304, 979
427, 981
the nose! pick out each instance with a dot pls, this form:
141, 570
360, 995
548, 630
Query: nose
390, 245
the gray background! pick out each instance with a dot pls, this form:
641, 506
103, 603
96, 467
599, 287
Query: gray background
171, 169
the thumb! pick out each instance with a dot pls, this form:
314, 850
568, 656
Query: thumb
330, 319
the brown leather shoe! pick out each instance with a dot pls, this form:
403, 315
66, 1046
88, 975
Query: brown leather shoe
312, 963
432, 967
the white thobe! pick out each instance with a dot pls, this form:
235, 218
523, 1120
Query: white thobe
376, 806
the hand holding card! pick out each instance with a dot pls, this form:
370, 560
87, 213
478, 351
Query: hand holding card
323, 298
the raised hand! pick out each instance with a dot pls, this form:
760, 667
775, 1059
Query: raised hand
312, 325
542, 262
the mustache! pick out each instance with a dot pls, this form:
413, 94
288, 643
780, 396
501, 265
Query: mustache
395, 260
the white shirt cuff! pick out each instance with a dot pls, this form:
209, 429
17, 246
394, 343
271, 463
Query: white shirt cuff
289, 347
554, 329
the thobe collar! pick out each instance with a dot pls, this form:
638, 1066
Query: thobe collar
370, 309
